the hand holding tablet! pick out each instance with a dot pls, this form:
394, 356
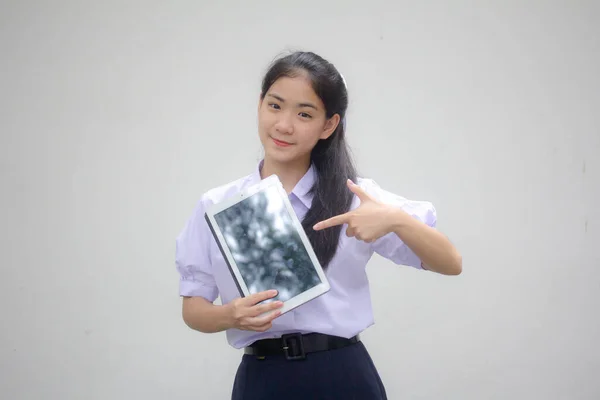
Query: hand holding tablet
249, 315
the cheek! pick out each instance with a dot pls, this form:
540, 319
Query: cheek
311, 135
262, 126
265, 121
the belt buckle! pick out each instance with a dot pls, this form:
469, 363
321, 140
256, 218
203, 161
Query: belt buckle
289, 339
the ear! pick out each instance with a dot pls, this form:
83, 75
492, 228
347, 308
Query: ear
330, 126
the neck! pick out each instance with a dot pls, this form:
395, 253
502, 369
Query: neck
289, 173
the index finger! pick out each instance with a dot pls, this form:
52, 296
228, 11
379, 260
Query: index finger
260, 296
333, 221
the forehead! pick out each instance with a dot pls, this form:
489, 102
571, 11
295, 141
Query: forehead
297, 90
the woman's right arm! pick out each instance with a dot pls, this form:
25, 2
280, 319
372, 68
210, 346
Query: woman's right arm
242, 313
201, 315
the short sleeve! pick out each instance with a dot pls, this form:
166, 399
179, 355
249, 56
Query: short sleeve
391, 246
192, 258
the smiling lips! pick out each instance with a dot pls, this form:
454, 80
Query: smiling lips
281, 143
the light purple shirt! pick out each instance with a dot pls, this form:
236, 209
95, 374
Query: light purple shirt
344, 311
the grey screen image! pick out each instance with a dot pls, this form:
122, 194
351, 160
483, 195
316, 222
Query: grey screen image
267, 249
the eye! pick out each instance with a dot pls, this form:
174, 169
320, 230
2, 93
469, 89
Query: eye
274, 106
305, 115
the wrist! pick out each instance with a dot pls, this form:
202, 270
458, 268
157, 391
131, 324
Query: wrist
399, 219
227, 319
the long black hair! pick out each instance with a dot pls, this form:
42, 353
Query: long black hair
330, 157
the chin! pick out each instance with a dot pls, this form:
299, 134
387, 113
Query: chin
280, 156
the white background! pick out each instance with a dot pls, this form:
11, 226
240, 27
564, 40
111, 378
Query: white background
116, 116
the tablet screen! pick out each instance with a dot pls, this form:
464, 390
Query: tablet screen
265, 245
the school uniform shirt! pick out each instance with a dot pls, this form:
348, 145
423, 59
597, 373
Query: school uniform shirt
343, 311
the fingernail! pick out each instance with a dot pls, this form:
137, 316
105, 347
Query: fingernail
273, 292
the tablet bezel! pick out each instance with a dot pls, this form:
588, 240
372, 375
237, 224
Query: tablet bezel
268, 182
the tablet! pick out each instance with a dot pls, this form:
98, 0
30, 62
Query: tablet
265, 246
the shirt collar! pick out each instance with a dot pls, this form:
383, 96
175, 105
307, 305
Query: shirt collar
302, 190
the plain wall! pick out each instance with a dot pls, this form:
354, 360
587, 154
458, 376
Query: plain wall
116, 116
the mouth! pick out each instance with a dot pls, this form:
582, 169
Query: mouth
280, 143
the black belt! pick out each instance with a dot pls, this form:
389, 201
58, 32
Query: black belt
296, 346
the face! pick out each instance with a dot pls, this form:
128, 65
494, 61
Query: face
291, 120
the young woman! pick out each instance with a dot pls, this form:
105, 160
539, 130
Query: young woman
314, 351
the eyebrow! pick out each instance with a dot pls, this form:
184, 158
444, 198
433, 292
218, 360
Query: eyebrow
309, 105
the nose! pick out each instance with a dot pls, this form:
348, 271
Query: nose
284, 124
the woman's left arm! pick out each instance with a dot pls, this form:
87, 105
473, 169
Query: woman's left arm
374, 219
431, 246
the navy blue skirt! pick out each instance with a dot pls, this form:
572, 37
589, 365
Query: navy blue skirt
347, 373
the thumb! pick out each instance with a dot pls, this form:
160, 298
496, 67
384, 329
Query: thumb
360, 192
